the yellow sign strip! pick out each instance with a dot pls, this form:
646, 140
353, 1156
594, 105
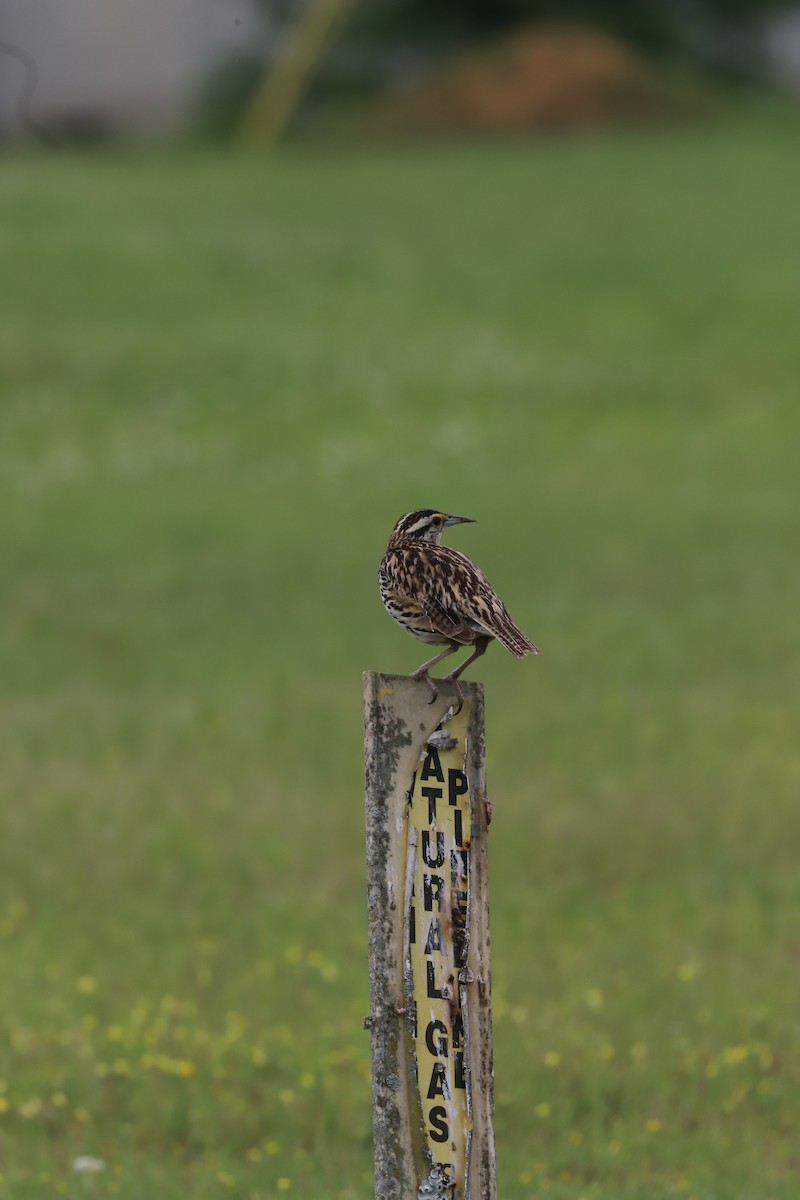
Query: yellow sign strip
437, 933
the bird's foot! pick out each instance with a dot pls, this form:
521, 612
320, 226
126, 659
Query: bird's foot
430, 682
452, 678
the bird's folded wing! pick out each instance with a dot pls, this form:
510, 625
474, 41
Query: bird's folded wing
449, 624
464, 593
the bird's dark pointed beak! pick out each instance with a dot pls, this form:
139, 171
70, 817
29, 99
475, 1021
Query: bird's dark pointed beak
460, 520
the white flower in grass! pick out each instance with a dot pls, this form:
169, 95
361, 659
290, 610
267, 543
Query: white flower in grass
88, 1165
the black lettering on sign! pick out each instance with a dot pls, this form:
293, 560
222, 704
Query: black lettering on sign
438, 1085
434, 993
426, 849
456, 784
458, 827
438, 1131
432, 768
432, 890
458, 1030
432, 794
437, 1047
458, 1062
434, 939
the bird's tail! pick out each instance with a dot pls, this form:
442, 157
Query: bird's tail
513, 638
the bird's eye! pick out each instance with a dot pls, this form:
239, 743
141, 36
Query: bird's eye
436, 521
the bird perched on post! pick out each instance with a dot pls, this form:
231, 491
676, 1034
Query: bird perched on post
441, 597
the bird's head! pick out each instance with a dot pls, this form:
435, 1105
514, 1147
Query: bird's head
424, 525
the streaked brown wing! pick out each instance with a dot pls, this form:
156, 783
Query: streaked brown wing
463, 589
479, 603
447, 623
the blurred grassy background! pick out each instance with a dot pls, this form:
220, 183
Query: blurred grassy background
224, 379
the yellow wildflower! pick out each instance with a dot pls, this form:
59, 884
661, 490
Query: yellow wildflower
30, 1108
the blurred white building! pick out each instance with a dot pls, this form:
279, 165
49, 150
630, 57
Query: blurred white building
130, 67
782, 49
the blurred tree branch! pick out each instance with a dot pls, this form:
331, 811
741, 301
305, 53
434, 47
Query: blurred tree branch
276, 98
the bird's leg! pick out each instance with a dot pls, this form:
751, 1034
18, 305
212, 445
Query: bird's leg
458, 692
480, 648
422, 672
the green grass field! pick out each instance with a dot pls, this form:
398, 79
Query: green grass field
223, 379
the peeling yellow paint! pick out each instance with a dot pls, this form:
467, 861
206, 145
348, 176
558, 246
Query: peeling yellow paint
439, 831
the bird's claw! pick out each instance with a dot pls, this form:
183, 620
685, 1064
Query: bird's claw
431, 684
435, 689
459, 694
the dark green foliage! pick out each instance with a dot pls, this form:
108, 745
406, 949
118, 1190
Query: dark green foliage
697, 29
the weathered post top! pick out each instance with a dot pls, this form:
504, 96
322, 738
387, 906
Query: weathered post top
430, 990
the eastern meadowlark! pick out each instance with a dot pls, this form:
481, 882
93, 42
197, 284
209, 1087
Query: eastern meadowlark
441, 597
